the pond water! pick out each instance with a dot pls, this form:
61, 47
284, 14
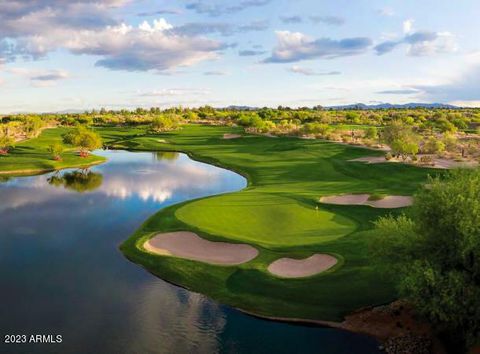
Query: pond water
62, 272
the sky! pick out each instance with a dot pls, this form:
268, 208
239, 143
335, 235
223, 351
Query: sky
58, 55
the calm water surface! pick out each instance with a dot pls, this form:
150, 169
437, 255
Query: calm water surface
61, 271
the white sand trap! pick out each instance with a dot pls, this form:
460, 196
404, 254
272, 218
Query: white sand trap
388, 202
372, 159
231, 136
346, 199
188, 245
391, 201
298, 268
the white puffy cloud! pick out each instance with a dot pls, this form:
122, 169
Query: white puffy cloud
33, 28
123, 47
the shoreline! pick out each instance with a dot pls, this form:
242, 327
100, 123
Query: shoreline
35, 172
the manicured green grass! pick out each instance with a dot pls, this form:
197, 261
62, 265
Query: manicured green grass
32, 156
260, 218
277, 213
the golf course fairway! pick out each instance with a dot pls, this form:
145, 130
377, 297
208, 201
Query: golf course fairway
279, 214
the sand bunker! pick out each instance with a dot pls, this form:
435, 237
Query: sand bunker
388, 202
231, 136
188, 245
372, 159
297, 268
438, 162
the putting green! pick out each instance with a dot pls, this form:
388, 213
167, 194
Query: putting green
264, 219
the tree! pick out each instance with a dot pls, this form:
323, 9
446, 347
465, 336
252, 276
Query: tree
32, 126
79, 181
450, 141
371, 133
6, 141
83, 138
401, 138
164, 122
56, 151
434, 253
433, 146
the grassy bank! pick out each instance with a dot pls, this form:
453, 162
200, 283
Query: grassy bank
277, 213
32, 156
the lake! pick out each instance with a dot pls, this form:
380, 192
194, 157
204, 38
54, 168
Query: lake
63, 274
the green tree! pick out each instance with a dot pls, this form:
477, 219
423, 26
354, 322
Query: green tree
433, 146
79, 181
32, 126
434, 254
165, 122
85, 139
450, 141
6, 141
371, 133
56, 151
401, 138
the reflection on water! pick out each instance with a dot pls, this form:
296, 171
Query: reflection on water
166, 155
79, 181
62, 272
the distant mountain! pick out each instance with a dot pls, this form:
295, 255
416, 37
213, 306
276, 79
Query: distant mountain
389, 105
241, 108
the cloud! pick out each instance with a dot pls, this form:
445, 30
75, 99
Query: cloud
150, 46
406, 91
328, 20
40, 78
215, 73
193, 28
408, 25
465, 88
309, 72
224, 29
215, 9
31, 29
253, 26
296, 46
251, 53
52, 75
420, 43
39, 17
291, 19
160, 12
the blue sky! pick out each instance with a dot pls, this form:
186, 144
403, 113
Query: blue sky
82, 54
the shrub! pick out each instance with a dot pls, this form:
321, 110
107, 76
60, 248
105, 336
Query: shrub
371, 133
83, 138
56, 151
433, 146
165, 122
434, 253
